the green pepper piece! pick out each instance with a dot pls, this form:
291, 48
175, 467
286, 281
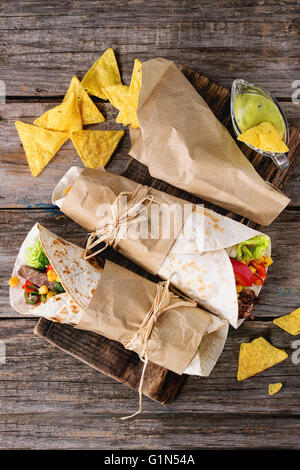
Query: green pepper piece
32, 299
58, 287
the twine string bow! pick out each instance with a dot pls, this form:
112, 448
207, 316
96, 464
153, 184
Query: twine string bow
122, 215
139, 342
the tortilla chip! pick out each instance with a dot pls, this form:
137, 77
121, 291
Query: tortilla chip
274, 388
257, 356
264, 136
40, 145
90, 114
96, 147
117, 94
128, 113
290, 322
104, 72
64, 118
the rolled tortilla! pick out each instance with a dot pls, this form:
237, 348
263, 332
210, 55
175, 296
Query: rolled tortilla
80, 278
199, 260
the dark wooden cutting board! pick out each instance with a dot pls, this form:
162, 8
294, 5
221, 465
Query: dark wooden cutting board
110, 357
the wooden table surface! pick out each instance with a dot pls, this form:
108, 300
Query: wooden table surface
49, 399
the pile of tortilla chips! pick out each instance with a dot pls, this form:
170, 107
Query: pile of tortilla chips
42, 140
103, 80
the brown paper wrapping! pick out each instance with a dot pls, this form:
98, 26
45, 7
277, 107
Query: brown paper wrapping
182, 142
96, 187
119, 306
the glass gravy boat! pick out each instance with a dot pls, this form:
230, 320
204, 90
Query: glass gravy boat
241, 86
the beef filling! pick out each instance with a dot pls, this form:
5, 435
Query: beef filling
36, 277
247, 300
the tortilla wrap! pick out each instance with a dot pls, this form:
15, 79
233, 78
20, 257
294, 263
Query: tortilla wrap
199, 260
80, 278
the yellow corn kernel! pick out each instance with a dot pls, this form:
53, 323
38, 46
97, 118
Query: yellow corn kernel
51, 274
50, 294
67, 189
14, 281
43, 290
239, 288
57, 279
268, 261
252, 268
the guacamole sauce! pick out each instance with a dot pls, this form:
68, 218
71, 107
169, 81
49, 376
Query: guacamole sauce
251, 109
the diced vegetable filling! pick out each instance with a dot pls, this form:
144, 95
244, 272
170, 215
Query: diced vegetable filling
42, 281
250, 268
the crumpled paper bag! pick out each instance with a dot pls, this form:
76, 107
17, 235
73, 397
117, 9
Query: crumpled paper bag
182, 142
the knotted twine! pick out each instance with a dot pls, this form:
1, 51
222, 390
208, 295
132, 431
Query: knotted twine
162, 303
111, 233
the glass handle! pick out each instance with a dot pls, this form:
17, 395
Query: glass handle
281, 161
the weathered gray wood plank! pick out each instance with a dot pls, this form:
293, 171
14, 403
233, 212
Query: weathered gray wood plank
188, 432
48, 399
232, 10
44, 44
112, 359
280, 294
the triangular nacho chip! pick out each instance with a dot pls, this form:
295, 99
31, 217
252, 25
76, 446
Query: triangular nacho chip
265, 137
96, 147
117, 95
40, 145
64, 118
250, 136
290, 322
104, 72
128, 113
257, 356
274, 388
90, 114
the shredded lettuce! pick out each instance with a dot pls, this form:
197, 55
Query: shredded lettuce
252, 248
35, 256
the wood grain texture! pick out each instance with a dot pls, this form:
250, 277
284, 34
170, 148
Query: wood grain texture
218, 98
112, 359
49, 399
44, 43
17, 186
19, 189
280, 294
